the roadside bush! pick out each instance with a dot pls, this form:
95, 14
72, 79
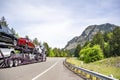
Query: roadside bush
91, 54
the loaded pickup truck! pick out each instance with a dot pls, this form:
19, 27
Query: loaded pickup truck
24, 42
7, 36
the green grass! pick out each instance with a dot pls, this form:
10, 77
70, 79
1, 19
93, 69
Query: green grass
106, 66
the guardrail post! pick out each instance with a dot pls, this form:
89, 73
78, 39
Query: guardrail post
88, 76
85, 74
82, 73
97, 78
91, 77
78, 71
75, 70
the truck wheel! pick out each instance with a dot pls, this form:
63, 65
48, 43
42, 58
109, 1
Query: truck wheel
44, 59
15, 63
10, 63
38, 58
19, 62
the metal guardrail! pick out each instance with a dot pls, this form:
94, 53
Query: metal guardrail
89, 75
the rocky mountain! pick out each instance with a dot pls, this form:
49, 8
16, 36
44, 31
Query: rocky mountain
88, 34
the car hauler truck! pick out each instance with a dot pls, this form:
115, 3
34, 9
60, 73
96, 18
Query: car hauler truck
11, 55
17, 51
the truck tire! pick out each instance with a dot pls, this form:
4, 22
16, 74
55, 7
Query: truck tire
10, 63
38, 58
19, 62
15, 63
45, 59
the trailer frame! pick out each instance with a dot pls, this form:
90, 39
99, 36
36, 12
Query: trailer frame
26, 56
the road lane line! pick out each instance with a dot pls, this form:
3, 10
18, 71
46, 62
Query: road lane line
44, 71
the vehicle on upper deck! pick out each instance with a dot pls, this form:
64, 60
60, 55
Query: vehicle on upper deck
6, 34
24, 42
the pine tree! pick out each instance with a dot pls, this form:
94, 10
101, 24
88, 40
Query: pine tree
115, 42
3, 22
27, 37
98, 40
77, 50
47, 48
35, 41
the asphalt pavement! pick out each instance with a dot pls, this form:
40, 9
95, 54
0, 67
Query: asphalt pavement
52, 69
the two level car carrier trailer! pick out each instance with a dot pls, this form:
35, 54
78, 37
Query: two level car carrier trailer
12, 56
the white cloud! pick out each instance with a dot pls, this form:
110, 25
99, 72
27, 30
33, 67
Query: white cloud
49, 32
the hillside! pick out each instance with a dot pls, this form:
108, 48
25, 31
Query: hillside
88, 34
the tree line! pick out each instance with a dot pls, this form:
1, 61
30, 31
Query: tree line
55, 52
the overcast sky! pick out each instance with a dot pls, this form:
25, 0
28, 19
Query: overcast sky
58, 21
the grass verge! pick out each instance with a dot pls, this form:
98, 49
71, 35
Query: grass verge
106, 66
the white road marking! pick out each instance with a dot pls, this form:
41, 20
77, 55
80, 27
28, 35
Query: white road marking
44, 71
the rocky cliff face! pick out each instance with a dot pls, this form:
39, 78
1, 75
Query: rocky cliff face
88, 34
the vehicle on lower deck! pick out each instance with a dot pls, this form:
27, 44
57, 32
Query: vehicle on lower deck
15, 56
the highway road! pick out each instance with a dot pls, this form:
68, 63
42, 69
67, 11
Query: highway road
52, 69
